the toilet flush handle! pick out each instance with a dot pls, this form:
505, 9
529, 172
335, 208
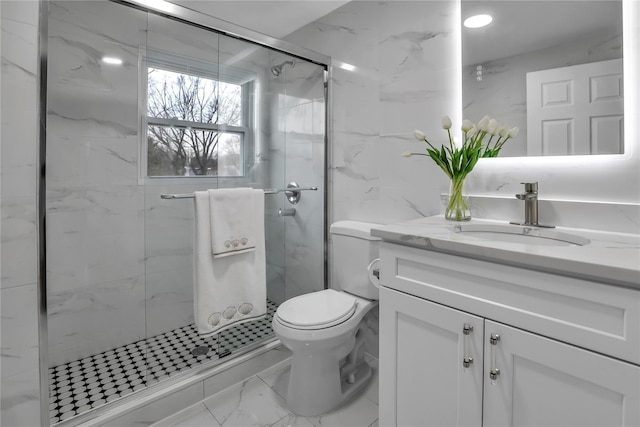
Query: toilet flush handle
374, 272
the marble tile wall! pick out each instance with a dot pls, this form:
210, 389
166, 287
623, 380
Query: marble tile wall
95, 208
296, 154
20, 399
303, 111
400, 56
401, 75
274, 155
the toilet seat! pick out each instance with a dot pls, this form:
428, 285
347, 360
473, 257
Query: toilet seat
317, 310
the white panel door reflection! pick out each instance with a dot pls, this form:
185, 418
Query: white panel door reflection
576, 110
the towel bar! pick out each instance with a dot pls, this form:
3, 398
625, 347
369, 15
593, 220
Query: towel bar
266, 191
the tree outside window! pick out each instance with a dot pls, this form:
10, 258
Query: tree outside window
195, 125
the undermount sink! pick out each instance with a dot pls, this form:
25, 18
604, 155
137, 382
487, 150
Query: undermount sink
520, 234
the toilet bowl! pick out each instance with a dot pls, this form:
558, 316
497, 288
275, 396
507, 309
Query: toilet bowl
326, 330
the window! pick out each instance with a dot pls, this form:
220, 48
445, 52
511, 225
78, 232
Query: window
197, 124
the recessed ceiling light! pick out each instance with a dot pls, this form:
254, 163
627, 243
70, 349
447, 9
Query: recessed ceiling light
112, 60
478, 21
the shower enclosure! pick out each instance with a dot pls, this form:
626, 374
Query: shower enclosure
141, 105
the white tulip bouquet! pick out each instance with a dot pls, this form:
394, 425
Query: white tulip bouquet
458, 160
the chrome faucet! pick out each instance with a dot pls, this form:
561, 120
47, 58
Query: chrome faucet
530, 197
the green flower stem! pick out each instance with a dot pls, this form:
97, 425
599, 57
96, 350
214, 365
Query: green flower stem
457, 209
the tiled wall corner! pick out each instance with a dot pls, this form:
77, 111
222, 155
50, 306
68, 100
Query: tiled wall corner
18, 142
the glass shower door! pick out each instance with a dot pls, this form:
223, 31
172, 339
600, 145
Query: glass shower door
95, 231
141, 105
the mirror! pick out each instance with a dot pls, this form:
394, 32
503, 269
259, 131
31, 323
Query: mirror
551, 68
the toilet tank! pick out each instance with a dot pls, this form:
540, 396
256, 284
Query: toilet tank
353, 248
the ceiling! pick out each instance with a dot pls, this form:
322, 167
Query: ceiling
274, 18
517, 25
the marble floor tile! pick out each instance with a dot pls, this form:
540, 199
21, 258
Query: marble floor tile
255, 403
371, 390
196, 415
358, 411
250, 403
292, 420
273, 377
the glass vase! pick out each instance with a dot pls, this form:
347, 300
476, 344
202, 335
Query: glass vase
457, 207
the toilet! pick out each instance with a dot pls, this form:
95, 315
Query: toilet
325, 330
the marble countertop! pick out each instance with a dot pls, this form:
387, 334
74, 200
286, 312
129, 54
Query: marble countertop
612, 258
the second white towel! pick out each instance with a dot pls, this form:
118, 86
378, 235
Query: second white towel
233, 220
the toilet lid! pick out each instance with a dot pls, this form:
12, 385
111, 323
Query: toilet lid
317, 310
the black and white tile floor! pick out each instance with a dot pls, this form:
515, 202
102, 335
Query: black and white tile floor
79, 386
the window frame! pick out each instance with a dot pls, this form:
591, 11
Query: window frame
208, 70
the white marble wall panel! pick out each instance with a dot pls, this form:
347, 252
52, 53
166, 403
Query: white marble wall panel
401, 82
95, 233
87, 321
275, 158
169, 232
80, 35
19, 330
274, 231
19, 141
304, 83
20, 357
76, 161
19, 362
416, 63
615, 217
296, 154
242, 55
181, 39
18, 239
304, 248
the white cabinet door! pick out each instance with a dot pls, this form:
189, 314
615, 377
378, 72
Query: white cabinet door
542, 382
422, 348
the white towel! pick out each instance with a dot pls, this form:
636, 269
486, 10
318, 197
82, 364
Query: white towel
233, 228
228, 290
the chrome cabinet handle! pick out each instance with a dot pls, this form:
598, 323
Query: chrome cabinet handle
466, 360
494, 371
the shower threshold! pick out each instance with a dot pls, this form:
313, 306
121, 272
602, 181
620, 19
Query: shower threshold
79, 387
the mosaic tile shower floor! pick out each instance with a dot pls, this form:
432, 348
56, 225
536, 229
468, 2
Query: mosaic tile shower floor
79, 386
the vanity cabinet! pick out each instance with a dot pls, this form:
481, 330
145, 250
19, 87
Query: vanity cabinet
540, 345
422, 350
